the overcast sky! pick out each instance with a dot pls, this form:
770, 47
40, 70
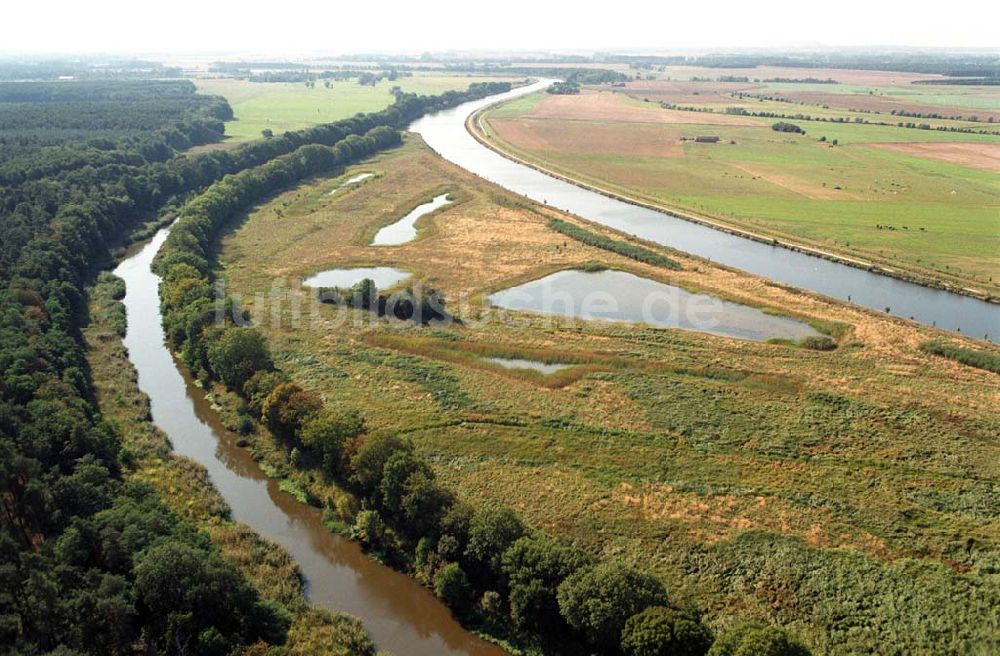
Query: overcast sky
299, 27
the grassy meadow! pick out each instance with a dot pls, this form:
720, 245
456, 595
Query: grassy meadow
283, 106
924, 201
849, 495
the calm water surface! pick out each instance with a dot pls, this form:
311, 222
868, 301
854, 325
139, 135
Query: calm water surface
404, 230
621, 296
445, 132
383, 277
535, 365
403, 617
351, 181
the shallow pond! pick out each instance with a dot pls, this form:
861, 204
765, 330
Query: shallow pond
620, 296
352, 181
535, 365
405, 229
383, 277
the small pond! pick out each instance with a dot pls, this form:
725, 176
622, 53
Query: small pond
405, 230
535, 365
351, 181
620, 296
383, 277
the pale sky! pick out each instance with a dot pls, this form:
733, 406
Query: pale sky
303, 27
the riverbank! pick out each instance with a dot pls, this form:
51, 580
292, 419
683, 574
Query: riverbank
187, 489
476, 126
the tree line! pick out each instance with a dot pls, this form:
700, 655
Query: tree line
89, 561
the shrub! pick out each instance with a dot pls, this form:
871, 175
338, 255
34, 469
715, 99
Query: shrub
818, 343
259, 387
756, 640
597, 601
288, 407
534, 566
660, 630
237, 354
369, 529
326, 434
491, 532
633, 251
781, 126
451, 586
990, 361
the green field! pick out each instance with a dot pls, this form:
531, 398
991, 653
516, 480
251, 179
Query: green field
936, 218
285, 106
813, 490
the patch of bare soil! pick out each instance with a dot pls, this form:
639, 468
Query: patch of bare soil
985, 156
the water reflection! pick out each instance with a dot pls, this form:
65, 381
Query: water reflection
622, 296
403, 617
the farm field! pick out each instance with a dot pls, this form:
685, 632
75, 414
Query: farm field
811, 489
926, 202
283, 106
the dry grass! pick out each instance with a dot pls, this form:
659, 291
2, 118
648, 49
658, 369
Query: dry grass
980, 156
663, 447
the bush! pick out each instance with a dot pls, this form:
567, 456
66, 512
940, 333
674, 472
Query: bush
451, 586
534, 566
237, 354
288, 407
633, 251
597, 601
368, 461
756, 640
491, 532
326, 434
990, 361
259, 387
369, 529
818, 343
660, 630
781, 126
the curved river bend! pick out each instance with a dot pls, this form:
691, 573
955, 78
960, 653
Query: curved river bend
402, 617
445, 132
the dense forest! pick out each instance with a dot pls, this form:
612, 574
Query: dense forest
89, 562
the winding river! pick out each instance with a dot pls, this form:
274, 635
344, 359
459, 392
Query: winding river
445, 132
403, 617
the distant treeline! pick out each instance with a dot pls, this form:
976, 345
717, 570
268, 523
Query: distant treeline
364, 76
966, 81
801, 80
53, 69
950, 64
577, 75
237, 68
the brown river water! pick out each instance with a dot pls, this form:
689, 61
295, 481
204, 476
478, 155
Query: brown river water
403, 617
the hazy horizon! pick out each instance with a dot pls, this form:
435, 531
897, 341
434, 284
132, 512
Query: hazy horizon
296, 27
